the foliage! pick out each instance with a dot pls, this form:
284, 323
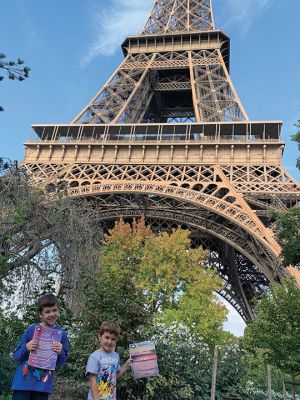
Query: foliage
253, 382
185, 363
119, 285
110, 293
253, 393
11, 328
15, 70
276, 330
288, 224
230, 371
40, 239
141, 275
179, 286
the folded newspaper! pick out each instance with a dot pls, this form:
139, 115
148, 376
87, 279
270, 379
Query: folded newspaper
144, 359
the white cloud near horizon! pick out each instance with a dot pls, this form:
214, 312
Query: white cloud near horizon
119, 18
112, 24
244, 12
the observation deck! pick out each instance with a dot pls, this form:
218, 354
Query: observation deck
213, 142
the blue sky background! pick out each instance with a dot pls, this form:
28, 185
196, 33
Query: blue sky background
73, 46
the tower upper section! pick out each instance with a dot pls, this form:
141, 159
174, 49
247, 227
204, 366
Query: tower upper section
179, 16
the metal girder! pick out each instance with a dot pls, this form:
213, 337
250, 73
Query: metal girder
212, 95
179, 16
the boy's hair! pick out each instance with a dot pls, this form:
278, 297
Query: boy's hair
47, 300
111, 327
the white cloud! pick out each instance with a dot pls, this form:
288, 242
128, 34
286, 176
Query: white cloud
119, 18
244, 12
112, 23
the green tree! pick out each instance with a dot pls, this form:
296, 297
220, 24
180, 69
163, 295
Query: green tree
276, 330
185, 364
141, 280
15, 70
159, 275
139, 277
253, 383
110, 293
111, 287
178, 285
288, 224
41, 238
288, 227
11, 328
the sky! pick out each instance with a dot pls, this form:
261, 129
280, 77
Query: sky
73, 46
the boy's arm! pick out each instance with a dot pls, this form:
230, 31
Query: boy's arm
21, 352
93, 386
125, 368
63, 354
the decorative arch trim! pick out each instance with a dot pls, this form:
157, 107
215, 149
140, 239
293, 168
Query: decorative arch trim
227, 210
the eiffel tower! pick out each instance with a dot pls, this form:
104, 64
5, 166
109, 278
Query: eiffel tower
167, 137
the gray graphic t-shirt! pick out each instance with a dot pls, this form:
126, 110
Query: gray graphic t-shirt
105, 366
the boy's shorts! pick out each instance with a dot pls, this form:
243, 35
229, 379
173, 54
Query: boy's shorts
29, 395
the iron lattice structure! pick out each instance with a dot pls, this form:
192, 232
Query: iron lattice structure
168, 138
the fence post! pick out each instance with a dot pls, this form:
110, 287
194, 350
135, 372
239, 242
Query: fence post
269, 372
214, 374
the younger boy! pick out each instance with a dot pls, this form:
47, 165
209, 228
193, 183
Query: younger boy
103, 367
32, 383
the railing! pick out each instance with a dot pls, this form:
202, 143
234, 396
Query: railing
189, 132
206, 140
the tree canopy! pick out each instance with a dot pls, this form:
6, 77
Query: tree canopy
288, 227
276, 329
288, 224
140, 276
39, 238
